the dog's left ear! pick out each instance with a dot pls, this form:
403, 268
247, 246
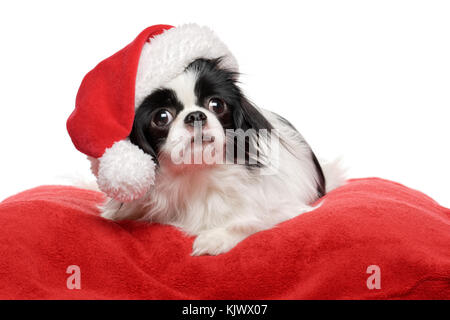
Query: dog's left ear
251, 123
249, 117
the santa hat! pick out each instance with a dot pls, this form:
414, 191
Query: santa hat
109, 94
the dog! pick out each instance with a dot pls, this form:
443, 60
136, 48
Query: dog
271, 176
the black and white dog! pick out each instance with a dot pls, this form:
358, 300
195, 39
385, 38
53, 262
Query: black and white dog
261, 174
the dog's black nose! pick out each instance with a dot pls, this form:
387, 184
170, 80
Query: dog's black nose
196, 116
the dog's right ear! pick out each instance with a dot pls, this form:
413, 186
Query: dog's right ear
139, 133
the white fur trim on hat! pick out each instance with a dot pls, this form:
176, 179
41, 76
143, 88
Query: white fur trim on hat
125, 172
168, 54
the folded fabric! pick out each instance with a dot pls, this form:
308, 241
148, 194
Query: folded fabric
370, 239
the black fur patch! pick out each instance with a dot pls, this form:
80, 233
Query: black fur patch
321, 183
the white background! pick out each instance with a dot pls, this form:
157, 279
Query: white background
365, 80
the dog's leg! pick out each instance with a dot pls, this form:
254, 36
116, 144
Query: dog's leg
220, 240
216, 241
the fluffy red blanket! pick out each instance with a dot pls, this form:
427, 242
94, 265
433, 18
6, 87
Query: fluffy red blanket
371, 239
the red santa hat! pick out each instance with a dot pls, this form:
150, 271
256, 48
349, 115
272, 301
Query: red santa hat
109, 94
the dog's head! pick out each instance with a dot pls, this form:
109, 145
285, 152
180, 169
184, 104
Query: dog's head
190, 117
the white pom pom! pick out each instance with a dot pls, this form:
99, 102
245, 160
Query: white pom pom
125, 172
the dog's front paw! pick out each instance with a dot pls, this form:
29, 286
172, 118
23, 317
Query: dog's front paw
214, 242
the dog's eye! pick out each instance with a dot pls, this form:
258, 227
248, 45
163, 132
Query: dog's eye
217, 105
162, 118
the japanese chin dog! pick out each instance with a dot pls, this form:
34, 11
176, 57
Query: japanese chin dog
225, 168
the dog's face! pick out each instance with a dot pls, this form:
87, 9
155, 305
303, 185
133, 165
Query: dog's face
186, 120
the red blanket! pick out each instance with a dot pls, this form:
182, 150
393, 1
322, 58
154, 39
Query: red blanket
325, 254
